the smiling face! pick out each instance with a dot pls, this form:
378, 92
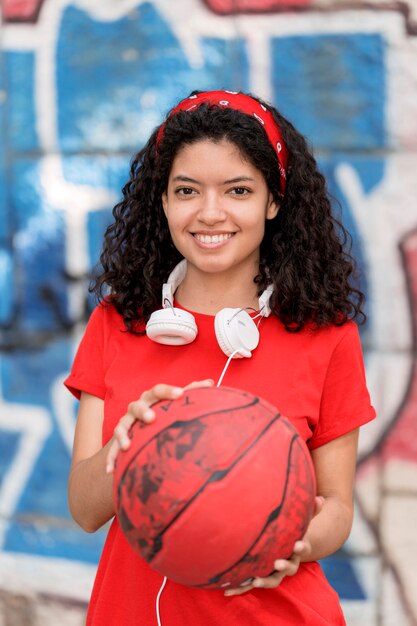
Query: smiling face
216, 205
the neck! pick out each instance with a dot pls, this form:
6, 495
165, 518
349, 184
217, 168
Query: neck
208, 293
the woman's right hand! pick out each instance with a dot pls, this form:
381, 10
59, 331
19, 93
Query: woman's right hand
141, 410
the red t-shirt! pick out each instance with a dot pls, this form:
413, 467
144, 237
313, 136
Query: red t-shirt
314, 377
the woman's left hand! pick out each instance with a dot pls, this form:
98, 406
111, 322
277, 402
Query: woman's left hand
283, 567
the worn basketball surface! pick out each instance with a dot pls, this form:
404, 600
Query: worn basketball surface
216, 489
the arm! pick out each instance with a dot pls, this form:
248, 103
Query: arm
90, 484
334, 464
90, 495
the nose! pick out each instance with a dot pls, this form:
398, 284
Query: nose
210, 211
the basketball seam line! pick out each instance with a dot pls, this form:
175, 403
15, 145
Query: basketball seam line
158, 538
176, 424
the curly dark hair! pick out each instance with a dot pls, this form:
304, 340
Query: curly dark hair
303, 251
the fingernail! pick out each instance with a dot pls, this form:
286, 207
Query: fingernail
257, 582
125, 443
109, 468
148, 415
176, 392
280, 565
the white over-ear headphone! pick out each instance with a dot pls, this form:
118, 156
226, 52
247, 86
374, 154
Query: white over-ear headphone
236, 332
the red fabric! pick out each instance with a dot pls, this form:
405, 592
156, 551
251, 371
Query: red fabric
245, 104
316, 378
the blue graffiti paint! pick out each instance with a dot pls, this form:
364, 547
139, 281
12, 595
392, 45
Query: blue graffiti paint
39, 249
108, 173
5, 218
27, 374
97, 224
42, 524
104, 172
22, 134
332, 87
44, 494
370, 171
6, 286
6, 264
55, 540
113, 90
9, 442
340, 571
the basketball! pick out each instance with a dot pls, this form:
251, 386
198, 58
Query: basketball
216, 489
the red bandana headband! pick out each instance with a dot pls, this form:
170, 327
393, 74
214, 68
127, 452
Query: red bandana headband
245, 104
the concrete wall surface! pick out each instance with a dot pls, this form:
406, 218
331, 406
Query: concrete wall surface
82, 84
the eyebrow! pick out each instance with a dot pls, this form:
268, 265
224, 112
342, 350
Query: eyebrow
238, 179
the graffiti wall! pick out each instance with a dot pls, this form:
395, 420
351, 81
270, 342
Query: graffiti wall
82, 84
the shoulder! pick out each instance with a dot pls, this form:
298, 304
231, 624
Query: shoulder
106, 316
317, 345
338, 343
331, 334
336, 334
341, 346
326, 336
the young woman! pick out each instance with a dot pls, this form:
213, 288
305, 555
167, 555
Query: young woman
227, 186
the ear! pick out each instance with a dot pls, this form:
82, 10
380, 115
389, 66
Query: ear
165, 202
272, 208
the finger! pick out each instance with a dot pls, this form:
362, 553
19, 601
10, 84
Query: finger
122, 429
302, 548
287, 567
140, 410
111, 456
238, 591
120, 440
161, 392
136, 411
208, 382
269, 582
318, 505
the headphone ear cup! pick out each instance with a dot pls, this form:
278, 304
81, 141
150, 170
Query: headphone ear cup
236, 330
222, 337
172, 327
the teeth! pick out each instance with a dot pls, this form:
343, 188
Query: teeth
213, 238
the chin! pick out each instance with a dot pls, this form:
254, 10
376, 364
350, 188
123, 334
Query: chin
211, 266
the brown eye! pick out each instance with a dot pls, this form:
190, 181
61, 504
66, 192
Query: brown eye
240, 191
184, 191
